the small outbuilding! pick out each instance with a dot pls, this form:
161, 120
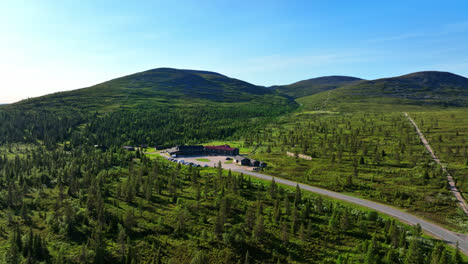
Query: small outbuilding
254, 163
242, 160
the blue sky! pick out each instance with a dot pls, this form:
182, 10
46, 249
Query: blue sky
49, 46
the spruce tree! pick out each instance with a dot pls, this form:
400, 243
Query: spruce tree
456, 257
414, 255
298, 196
259, 228
12, 255
199, 258
372, 251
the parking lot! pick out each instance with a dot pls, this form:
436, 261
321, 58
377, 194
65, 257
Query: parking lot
227, 162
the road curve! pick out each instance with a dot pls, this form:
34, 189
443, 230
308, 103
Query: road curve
453, 188
447, 236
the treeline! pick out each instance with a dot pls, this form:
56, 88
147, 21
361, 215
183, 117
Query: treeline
166, 126
152, 125
38, 126
89, 206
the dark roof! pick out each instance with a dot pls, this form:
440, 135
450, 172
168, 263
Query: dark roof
172, 150
240, 158
189, 147
223, 147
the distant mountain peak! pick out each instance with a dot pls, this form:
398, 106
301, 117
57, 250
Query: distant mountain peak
432, 79
418, 88
168, 70
316, 85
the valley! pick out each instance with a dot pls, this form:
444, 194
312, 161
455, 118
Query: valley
70, 188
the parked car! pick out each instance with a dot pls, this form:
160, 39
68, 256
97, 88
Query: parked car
228, 158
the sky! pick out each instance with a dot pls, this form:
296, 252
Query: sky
50, 46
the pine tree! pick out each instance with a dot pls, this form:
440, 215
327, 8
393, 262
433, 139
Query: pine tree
456, 257
259, 228
122, 238
436, 253
250, 217
12, 255
392, 257
298, 197
349, 180
218, 226
372, 251
345, 222
393, 235
273, 188
302, 231
414, 255
284, 233
444, 258
199, 258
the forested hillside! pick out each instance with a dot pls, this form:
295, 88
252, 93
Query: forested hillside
159, 107
88, 206
315, 85
427, 89
63, 200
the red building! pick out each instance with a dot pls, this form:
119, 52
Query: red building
222, 150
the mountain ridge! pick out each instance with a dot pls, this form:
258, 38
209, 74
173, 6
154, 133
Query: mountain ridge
418, 88
315, 85
160, 85
168, 85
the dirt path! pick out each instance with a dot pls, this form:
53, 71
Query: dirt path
453, 188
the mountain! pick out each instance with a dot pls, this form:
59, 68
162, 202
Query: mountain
160, 107
315, 85
156, 86
419, 88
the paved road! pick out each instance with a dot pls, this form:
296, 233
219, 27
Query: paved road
460, 201
442, 233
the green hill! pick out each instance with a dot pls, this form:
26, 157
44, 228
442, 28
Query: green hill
158, 107
159, 86
315, 85
65, 201
428, 88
